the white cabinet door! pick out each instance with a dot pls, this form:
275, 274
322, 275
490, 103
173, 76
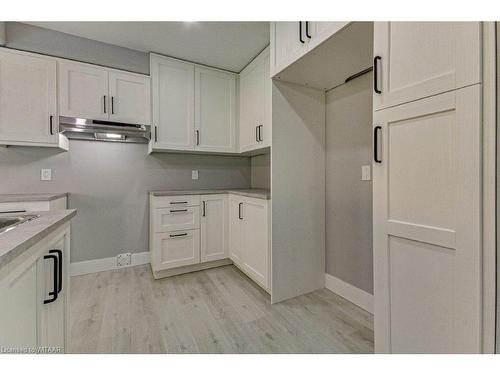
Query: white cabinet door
213, 227
173, 103
321, 31
255, 239
235, 223
176, 249
255, 104
176, 218
28, 99
288, 43
427, 238
130, 98
83, 91
420, 59
215, 110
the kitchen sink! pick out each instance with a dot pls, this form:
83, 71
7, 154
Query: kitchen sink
10, 222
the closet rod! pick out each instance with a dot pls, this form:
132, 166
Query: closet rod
359, 74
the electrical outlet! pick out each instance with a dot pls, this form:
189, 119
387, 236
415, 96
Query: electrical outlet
366, 173
124, 259
46, 174
194, 175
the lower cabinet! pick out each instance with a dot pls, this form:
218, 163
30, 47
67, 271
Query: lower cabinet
194, 230
34, 289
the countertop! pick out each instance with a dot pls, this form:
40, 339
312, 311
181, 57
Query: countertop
253, 193
16, 241
31, 197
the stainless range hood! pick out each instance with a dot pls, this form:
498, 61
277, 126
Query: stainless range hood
107, 131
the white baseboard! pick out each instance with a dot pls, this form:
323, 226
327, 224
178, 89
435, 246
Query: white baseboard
350, 292
106, 264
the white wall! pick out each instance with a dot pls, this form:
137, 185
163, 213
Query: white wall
298, 190
349, 248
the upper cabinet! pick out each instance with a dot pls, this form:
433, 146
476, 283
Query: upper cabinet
194, 108
414, 60
255, 104
28, 99
292, 40
98, 93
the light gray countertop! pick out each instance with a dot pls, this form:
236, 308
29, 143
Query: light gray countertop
16, 241
253, 193
31, 197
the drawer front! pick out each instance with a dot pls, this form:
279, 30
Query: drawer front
176, 201
176, 249
176, 218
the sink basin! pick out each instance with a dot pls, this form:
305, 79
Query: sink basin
10, 222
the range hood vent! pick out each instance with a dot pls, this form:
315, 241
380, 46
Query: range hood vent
107, 131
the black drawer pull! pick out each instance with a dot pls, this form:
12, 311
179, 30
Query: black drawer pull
375, 144
179, 210
240, 215
178, 235
54, 292
375, 74
184, 202
60, 261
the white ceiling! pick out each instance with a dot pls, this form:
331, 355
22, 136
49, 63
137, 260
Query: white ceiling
225, 45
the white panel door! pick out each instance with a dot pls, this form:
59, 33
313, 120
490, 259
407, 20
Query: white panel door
215, 110
176, 218
426, 197
249, 105
130, 98
255, 240
28, 98
288, 43
213, 227
420, 59
321, 31
176, 249
173, 103
83, 91
235, 224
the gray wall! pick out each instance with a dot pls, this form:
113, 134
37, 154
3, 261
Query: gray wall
261, 171
108, 185
298, 183
349, 247
36, 39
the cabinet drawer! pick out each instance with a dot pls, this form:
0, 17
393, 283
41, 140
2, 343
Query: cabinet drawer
176, 201
176, 218
176, 249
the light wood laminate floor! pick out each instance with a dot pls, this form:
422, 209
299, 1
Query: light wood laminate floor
213, 311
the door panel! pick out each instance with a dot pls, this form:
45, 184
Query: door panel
213, 228
176, 249
427, 225
248, 106
235, 250
215, 111
286, 44
83, 91
420, 59
173, 103
130, 98
28, 98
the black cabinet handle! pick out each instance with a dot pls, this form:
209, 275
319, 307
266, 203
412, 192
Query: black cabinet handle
179, 202
375, 144
51, 130
204, 209
185, 210
178, 235
104, 103
54, 290
240, 216
260, 133
112, 105
156, 133
257, 133
307, 30
197, 138
300, 32
60, 266
375, 74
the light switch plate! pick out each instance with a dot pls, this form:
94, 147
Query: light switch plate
46, 174
366, 173
194, 175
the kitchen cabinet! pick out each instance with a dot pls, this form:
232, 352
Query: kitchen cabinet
97, 93
213, 227
291, 40
28, 100
35, 288
235, 224
173, 103
194, 107
59, 203
414, 60
255, 104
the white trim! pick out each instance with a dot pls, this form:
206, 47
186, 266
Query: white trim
106, 264
350, 292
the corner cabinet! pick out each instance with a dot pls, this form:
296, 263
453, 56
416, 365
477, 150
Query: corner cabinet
255, 104
28, 100
35, 288
194, 107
